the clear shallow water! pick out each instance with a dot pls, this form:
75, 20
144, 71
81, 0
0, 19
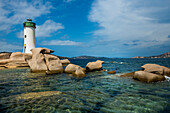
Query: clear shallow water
98, 92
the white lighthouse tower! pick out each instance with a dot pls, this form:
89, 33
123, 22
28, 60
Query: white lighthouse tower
29, 35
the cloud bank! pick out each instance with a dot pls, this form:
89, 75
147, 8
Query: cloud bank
131, 23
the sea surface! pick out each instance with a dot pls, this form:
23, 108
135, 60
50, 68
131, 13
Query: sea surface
98, 92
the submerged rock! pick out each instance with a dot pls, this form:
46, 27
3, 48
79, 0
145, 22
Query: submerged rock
94, 66
53, 63
34, 95
128, 74
134, 103
111, 72
112, 62
147, 77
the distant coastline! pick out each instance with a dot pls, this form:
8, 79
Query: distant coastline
165, 55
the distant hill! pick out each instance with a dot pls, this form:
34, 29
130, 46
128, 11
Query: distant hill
88, 57
62, 57
165, 55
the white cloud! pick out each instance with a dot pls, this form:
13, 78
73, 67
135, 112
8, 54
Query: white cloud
16, 11
130, 20
9, 47
62, 43
47, 29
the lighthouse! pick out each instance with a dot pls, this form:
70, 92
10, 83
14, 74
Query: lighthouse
29, 36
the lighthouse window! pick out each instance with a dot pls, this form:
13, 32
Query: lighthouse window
25, 36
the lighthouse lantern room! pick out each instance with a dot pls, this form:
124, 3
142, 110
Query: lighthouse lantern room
29, 35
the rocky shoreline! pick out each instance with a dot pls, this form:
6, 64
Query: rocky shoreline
42, 61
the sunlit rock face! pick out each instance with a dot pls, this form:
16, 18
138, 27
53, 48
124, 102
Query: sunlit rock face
65, 62
5, 55
148, 77
157, 69
93, 66
79, 73
16, 59
43, 62
37, 63
72, 68
53, 63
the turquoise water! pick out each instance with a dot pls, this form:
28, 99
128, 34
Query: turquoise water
99, 92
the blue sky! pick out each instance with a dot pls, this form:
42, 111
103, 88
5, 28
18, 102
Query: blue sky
110, 28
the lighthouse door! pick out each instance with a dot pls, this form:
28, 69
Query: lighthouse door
24, 49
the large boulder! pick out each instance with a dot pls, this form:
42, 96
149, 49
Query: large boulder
157, 69
79, 73
5, 55
37, 63
65, 62
72, 68
53, 63
94, 66
166, 71
147, 77
17, 59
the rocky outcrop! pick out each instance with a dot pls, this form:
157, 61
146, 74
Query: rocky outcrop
43, 62
65, 62
157, 69
16, 59
4, 62
150, 73
147, 77
5, 55
53, 63
94, 66
79, 73
27, 56
72, 68
37, 63
111, 72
